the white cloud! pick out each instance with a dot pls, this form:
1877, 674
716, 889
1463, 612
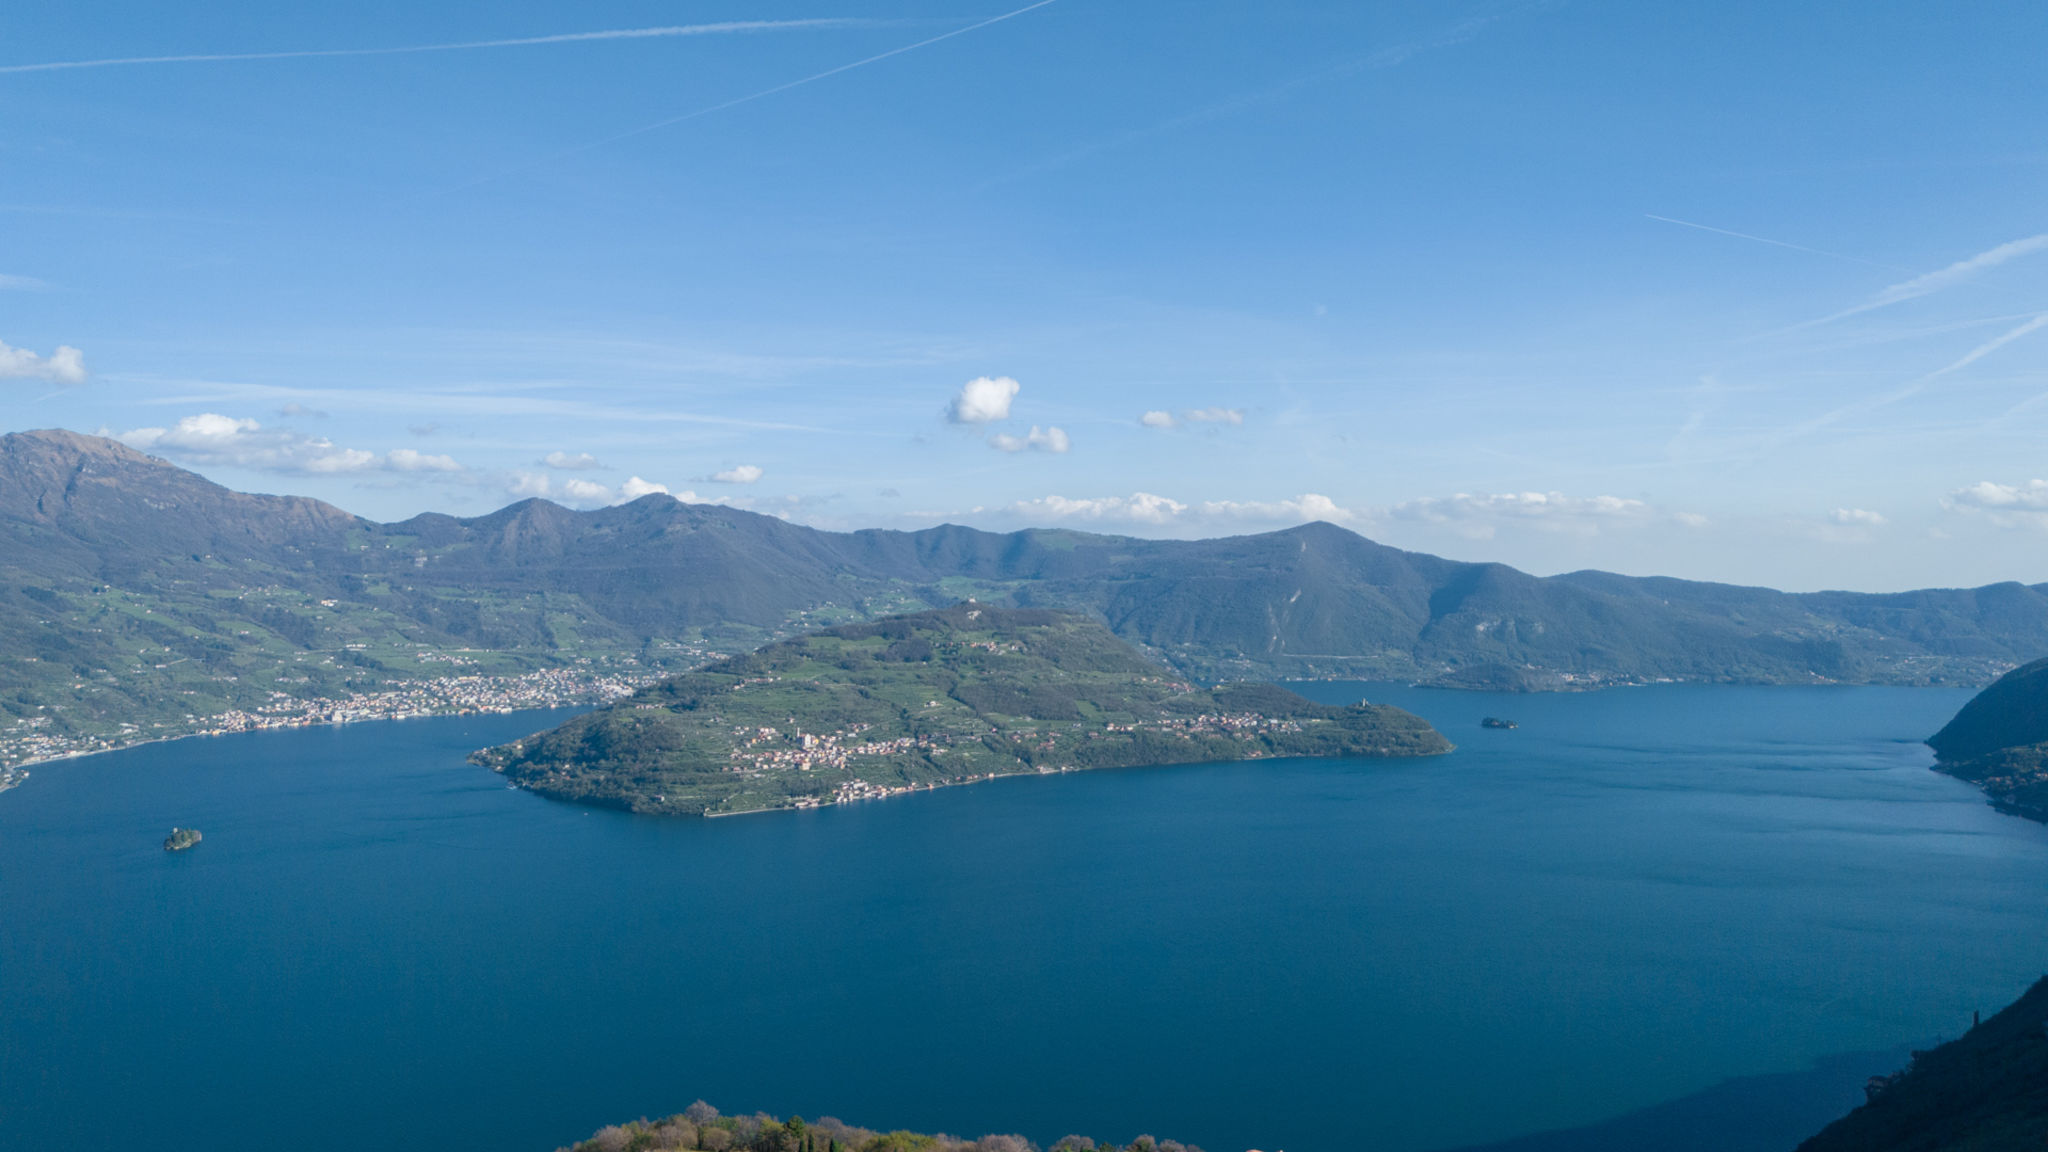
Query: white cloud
1308, 506
1160, 418
21, 283
526, 485
2007, 504
408, 460
1047, 439
741, 474
1139, 507
210, 438
1856, 518
570, 462
576, 492
634, 488
1153, 510
983, 400
64, 366
1480, 516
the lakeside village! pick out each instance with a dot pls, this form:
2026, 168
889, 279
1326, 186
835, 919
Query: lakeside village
31, 740
765, 749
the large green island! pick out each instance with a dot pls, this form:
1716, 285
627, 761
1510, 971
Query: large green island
941, 697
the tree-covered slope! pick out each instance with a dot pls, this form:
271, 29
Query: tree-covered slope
939, 697
1984, 1092
132, 590
1999, 741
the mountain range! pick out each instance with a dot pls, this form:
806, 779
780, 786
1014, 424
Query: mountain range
129, 586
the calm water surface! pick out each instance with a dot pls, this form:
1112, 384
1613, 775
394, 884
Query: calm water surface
1635, 896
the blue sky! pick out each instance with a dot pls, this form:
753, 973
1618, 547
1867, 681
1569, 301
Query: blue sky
1752, 292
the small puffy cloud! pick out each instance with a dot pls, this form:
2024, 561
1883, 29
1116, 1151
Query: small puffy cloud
64, 366
1139, 507
1308, 506
577, 492
526, 485
1480, 516
983, 400
210, 438
1856, 518
580, 491
2007, 504
1047, 439
1160, 418
571, 462
739, 474
634, 488
408, 460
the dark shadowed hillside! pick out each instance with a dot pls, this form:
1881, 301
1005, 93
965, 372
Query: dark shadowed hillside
1985, 1092
1999, 742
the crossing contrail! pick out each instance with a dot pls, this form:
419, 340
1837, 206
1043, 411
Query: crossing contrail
723, 28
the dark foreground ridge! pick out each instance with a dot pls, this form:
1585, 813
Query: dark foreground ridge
918, 701
1999, 742
139, 601
1986, 1092
701, 1127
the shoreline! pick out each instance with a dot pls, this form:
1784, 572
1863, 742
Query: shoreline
16, 775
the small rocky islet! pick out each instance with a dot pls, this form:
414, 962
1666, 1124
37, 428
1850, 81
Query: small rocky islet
182, 838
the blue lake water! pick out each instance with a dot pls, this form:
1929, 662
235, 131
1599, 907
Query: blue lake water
1636, 896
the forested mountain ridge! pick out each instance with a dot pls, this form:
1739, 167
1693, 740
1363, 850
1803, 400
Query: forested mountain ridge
947, 696
113, 562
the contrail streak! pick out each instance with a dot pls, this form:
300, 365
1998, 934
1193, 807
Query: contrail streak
747, 99
1777, 243
1941, 278
729, 26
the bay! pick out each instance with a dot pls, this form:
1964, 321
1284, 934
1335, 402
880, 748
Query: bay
1635, 896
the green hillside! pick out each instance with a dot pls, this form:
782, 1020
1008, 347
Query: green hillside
1999, 742
138, 599
918, 701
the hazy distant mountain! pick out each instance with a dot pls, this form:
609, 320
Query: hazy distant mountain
113, 563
